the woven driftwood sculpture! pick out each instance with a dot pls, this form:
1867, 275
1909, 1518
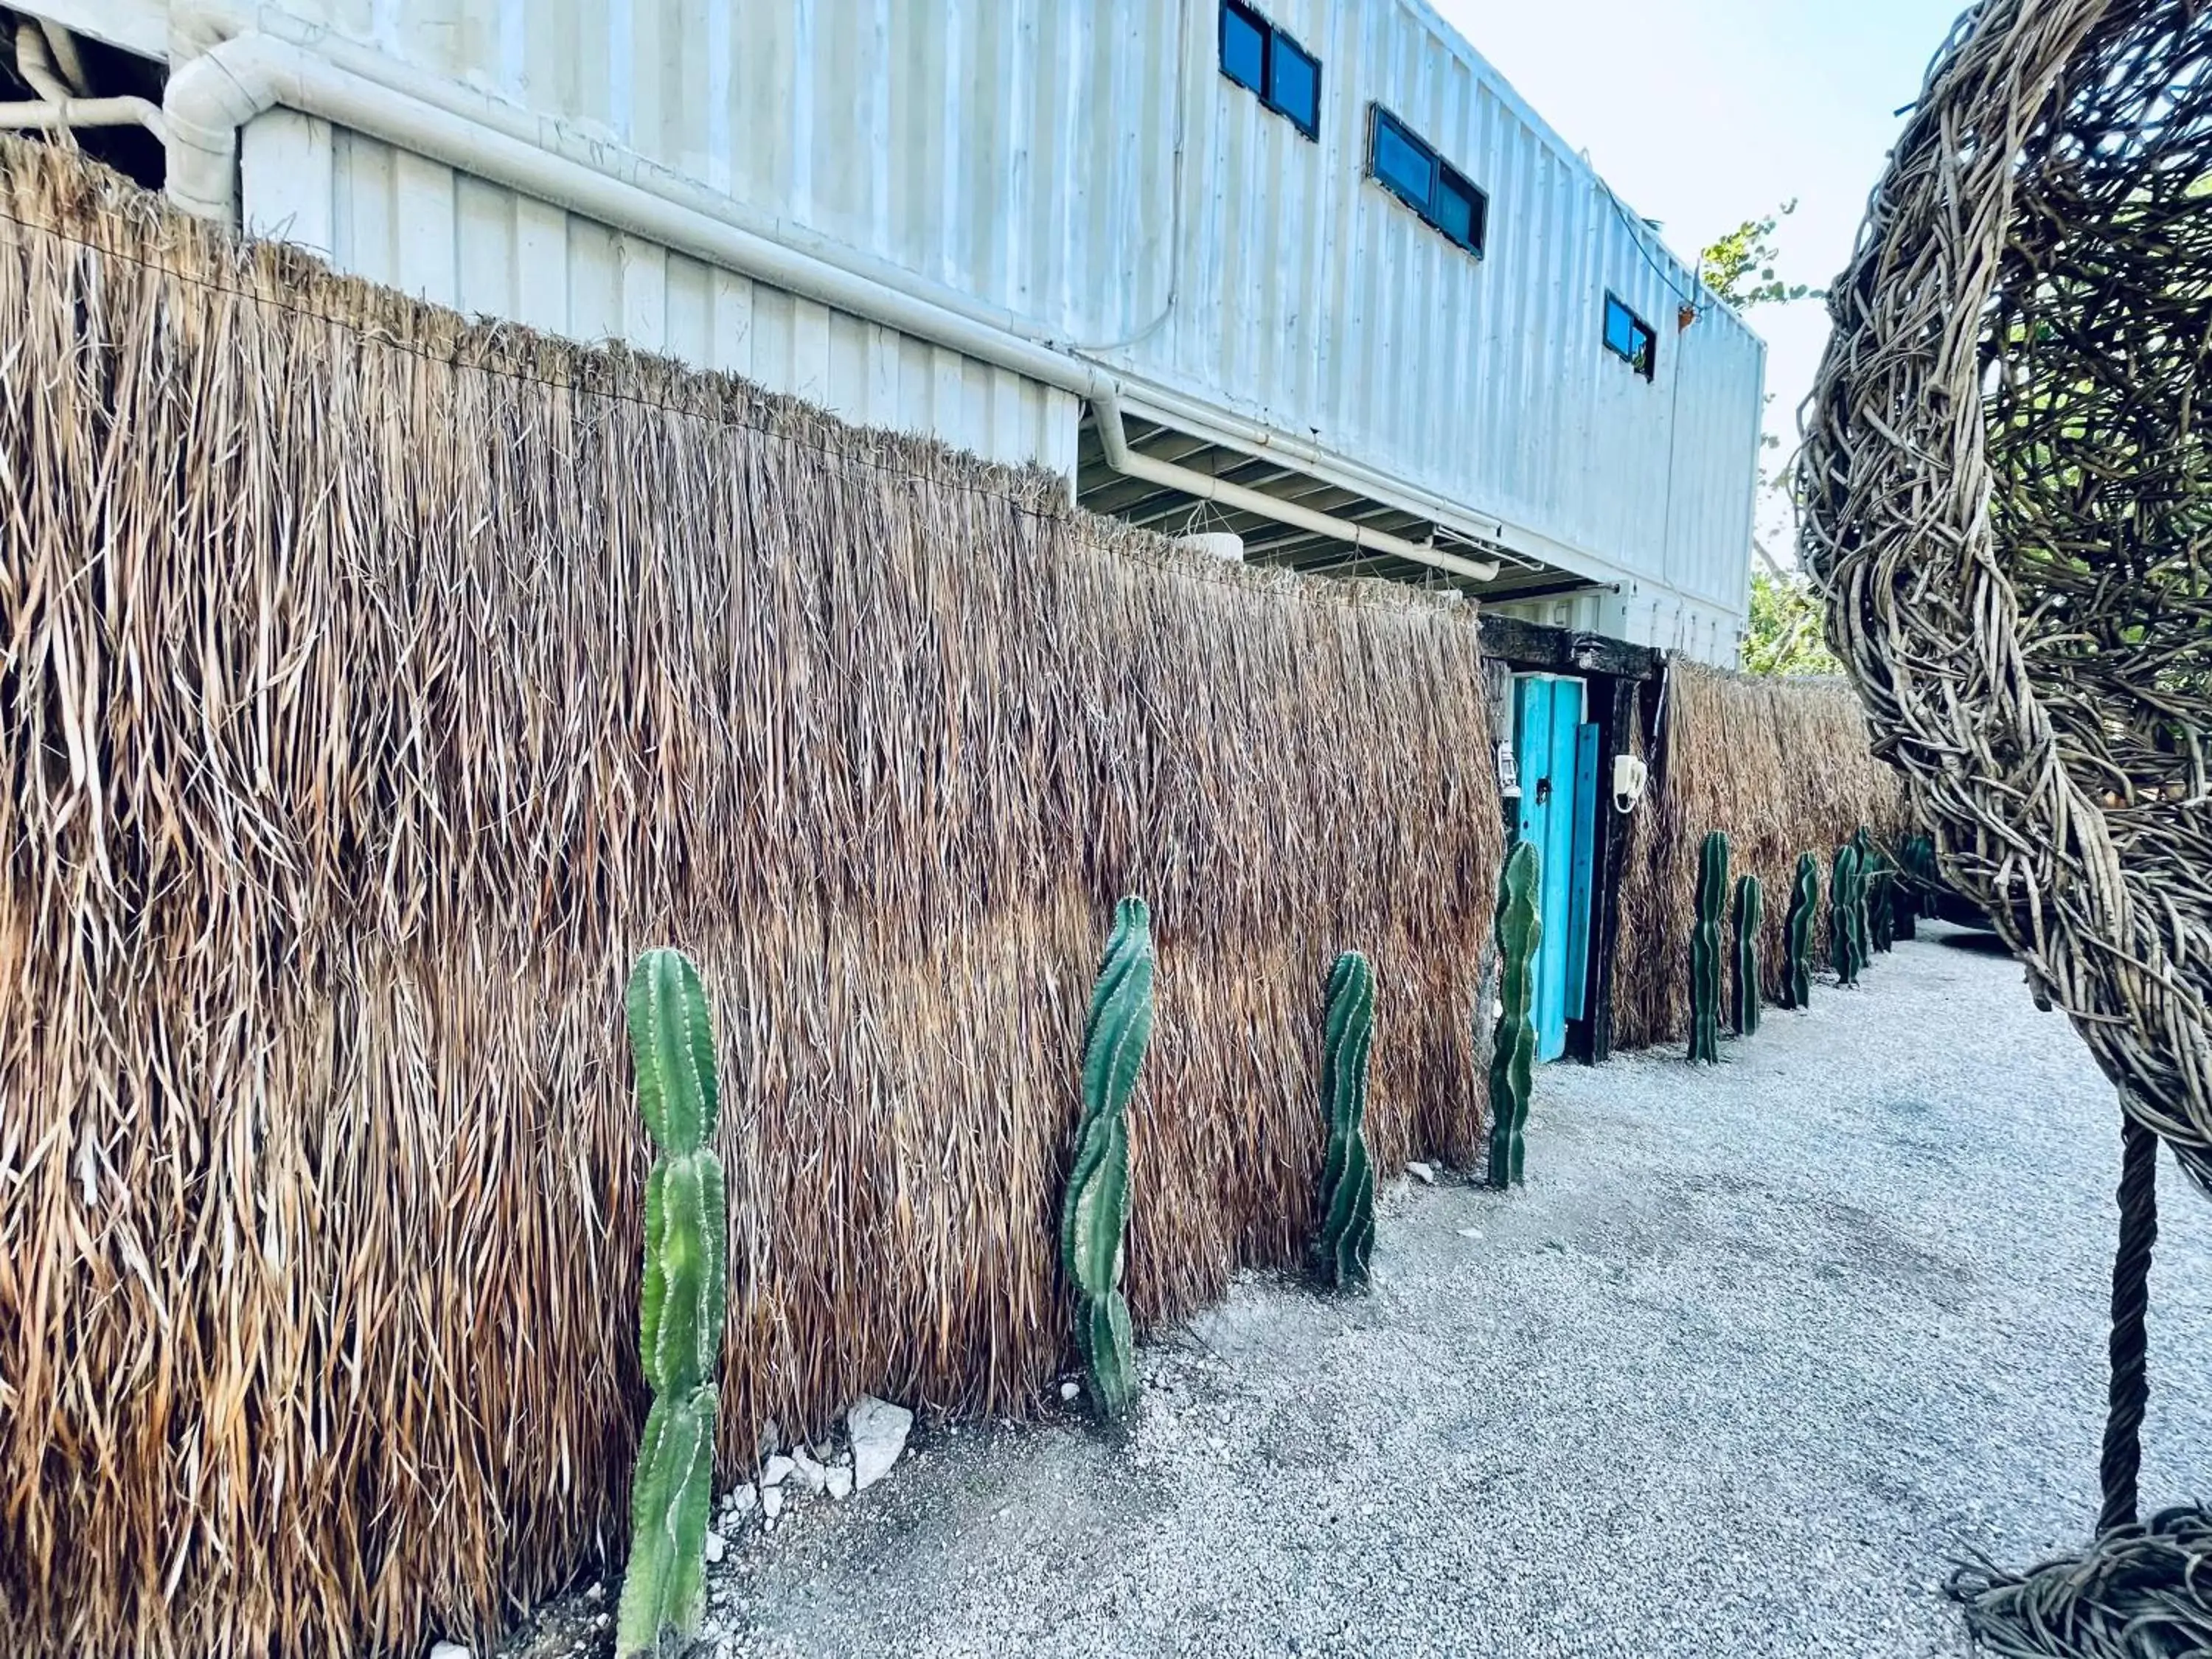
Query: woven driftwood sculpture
2024, 317
2008, 486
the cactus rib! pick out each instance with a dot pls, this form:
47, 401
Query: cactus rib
1797, 932
1705, 950
1750, 917
1519, 929
1347, 1187
1847, 915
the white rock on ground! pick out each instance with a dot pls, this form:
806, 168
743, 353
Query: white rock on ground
773, 1473
448, 1650
1421, 1172
716, 1546
739, 1503
772, 1502
840, 1481
807, 1471
1069, 1390
879, 1430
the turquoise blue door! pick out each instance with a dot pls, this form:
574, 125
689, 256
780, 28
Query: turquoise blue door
1555, 754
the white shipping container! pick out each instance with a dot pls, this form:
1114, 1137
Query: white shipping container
1081, 173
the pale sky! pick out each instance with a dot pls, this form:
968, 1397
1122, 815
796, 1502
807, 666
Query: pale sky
1702, 113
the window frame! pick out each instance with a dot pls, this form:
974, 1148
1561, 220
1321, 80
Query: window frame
1442, 177
1648, 368
1273, 39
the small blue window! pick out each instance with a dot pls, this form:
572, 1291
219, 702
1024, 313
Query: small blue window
1258, 56
1245, 47
1404, 164
1630, 338
1295, 88
1411, 170
1459, 212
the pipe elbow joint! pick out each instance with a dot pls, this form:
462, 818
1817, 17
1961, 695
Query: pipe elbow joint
206, 102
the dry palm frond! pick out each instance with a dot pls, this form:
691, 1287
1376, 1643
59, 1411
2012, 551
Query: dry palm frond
1782, 767
375, 688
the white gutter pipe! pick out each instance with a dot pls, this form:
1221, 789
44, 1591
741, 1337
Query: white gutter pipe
212, 96
59, 107
72, 113
1106, 412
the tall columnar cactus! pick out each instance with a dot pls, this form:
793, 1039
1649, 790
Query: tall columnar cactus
1347, 1179
1095, 1210
1847, 915
1519, 929
1916, 886
1880, 878
1750, 917
1797, 932
1705, 950
1861, 926
680, 1310
1881, 906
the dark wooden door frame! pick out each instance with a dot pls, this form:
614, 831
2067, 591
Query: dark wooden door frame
1619, 676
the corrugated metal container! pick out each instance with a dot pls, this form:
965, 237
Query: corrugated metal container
1084, 166
415, 225
1312, 299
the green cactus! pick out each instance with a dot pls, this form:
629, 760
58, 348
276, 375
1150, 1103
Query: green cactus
1347, 1180
681, 1308
1879, 876
1916, 884
1705, 950
1797, 931
1750, 917
1096, 1210
1519, 929
1847, 915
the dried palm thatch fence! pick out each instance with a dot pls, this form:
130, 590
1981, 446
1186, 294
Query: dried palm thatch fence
375, 687
2009, 477
1782, 766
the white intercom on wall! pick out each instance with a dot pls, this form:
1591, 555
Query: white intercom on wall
1630, 774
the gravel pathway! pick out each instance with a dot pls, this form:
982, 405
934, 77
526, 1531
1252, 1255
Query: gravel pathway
1756, 1353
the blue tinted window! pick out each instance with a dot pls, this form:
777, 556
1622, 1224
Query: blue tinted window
1403, 163
1455, 213
1243, 47
1295, 89
1256, 54
1619, 328
1629, 337
1417, 175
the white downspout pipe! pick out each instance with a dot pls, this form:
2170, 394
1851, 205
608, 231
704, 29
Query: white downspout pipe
212, 96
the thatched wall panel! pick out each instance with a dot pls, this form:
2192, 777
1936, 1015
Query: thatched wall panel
374, 687
1782, 766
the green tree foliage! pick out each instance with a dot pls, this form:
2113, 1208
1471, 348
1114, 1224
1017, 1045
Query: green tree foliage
1739, 265
1782, 634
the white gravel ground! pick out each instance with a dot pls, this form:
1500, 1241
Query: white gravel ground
1758, 1352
